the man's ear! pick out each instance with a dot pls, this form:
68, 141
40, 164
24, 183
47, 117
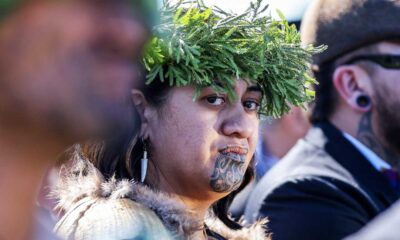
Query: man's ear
350, 83
144, 111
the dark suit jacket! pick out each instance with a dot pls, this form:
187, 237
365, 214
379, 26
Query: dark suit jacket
323, 189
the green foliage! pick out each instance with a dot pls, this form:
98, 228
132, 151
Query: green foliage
206, 46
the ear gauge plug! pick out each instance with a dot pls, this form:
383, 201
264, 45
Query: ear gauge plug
363, 101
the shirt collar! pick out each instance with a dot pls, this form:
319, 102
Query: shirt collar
372, 157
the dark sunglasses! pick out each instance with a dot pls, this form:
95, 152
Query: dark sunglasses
385, 61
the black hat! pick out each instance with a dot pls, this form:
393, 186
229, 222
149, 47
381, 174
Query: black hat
346, 25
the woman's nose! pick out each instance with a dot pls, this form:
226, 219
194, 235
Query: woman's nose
238, 123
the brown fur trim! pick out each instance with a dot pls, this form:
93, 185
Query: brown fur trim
255, 231
82, 180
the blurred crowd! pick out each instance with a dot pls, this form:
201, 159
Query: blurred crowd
100, 138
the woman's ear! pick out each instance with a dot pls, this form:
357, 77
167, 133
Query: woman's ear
143, 108
350, 83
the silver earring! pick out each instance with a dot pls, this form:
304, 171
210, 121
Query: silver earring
143, 163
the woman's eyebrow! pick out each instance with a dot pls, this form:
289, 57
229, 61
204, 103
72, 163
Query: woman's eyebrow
255, 88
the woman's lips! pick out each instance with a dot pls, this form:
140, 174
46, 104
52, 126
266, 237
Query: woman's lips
236, 154
237, 150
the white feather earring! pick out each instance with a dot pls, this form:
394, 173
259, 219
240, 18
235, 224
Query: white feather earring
143, 163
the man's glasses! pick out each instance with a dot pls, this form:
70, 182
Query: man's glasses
385, 61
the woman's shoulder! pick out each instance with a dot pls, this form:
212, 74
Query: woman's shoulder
94, 208
110, 219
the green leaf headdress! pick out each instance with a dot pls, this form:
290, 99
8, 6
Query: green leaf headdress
206, 46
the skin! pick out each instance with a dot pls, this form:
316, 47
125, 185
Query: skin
282, 134
228, 173
64, 79
378, 125
61, 72
203, 146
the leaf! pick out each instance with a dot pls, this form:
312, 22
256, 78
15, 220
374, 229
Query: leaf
203, 46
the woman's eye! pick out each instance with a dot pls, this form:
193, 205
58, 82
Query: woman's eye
215, 100
251, 105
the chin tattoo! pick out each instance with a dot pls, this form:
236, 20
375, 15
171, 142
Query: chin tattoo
228, 172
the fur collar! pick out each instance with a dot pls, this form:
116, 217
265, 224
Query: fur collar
83, 180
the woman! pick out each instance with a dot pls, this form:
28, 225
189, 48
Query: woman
210, 75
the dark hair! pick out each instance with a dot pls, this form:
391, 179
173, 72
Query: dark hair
325, 93
120, 156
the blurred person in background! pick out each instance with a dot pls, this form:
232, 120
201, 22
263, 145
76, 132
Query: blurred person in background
278, 135
275, 138
344, 172
66, 69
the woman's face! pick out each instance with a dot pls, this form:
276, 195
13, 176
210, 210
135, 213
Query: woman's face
204, 146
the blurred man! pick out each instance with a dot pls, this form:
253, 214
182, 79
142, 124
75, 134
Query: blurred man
342, 174
66, 69
275, 138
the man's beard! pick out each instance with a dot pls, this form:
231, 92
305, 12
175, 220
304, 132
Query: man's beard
388, 119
